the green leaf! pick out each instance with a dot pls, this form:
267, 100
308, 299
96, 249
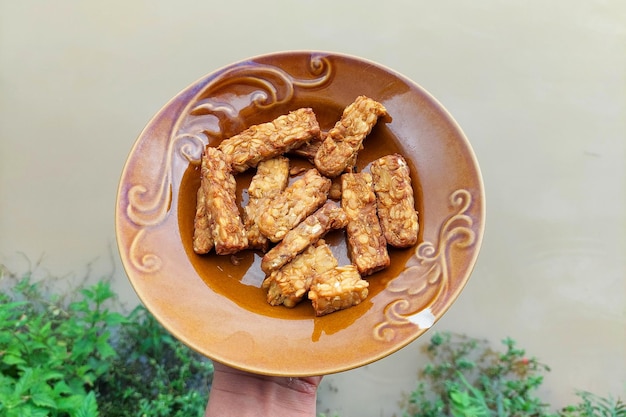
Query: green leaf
106, 351
48, 375
11, 359
88, 408
83, 348
88, 293
459, 398
70, 403
80, 306
88, 378
61, 388
42, 399
12, 306
114, 319
102, 292
24, 383
28, 410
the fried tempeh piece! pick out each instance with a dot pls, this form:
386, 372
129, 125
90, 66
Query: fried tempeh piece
267, 140
309, 149
202, 234
394, 200
219, 187
271, 178
337, 289
366, 243
297, 201
326, 218
289, 284
335, 191
338, 152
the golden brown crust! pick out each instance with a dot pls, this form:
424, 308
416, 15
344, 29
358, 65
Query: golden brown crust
395, 201
219, 187
267, 140
326, 218
296, 202
338, 152
337, 289
202, 234
271, 178
289, 284
366, 243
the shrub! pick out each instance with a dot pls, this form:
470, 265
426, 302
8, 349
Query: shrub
154, 374
467, 378
52, 354
591, 405
78, 358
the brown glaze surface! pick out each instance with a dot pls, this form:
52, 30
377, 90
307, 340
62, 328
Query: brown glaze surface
214, 303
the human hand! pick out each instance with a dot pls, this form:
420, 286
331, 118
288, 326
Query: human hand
244, 394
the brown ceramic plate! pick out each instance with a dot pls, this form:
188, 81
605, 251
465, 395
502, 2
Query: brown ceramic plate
213, 303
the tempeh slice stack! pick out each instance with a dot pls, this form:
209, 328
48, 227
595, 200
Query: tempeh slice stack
219, 187
338, 152
289, 284
326, 218
202, 234
395, 201
267, 140
366, 243
337, 289
301, 198
271, 178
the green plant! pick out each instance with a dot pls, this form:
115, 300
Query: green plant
72, 356
51, 353
592, 405
154, 374
468, 378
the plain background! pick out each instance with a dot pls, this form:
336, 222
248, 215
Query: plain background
538, 87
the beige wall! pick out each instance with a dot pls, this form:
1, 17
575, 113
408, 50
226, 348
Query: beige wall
538, 87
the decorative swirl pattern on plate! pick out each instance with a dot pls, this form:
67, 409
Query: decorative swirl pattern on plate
420, 286
149, 209
271, 86
146, 210
268, 86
